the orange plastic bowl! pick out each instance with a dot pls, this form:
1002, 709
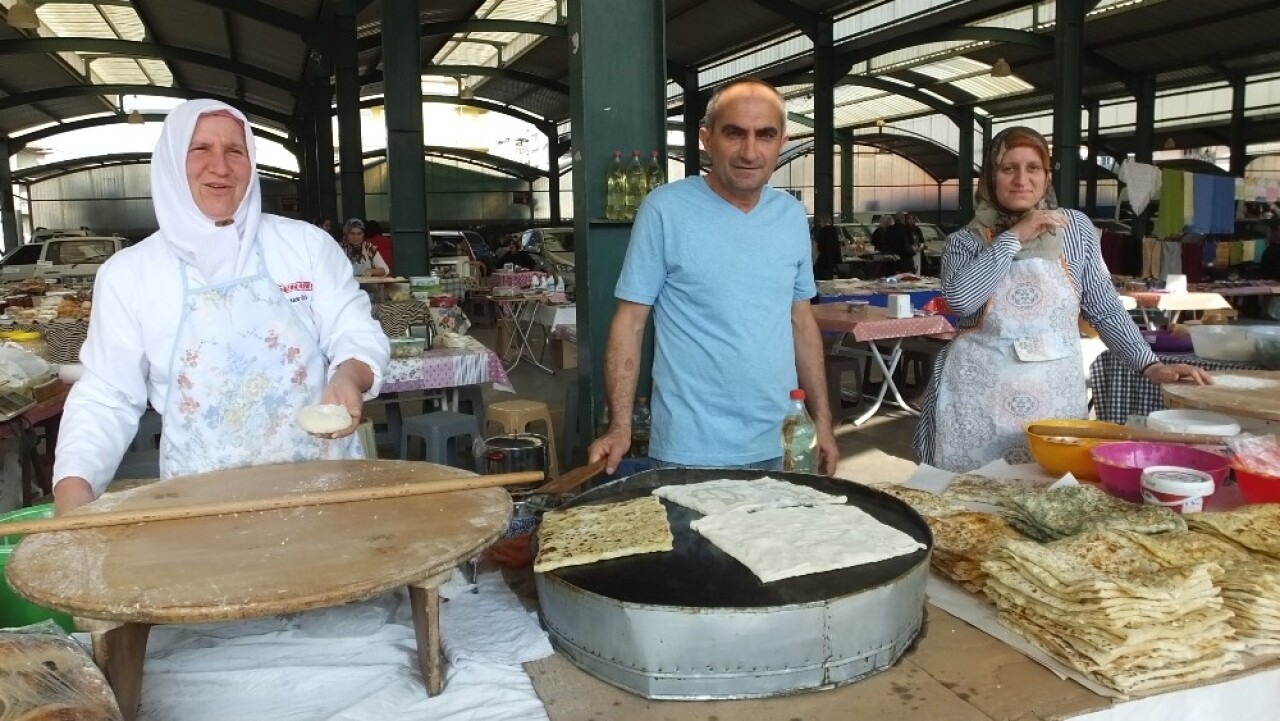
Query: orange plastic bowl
1257, 487
1059, 455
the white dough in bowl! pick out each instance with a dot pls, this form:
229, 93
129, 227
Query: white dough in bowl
324, 418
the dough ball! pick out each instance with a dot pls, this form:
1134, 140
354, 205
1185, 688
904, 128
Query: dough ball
324, 418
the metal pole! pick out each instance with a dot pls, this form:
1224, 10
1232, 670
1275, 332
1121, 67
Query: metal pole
347, 82
406, 164
1068, 51
8, 213
824, 82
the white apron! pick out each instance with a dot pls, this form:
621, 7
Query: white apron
1022, 363
243, 365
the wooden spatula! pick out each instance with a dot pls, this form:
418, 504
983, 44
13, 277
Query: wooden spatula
1122, 433
570, 480
92, 519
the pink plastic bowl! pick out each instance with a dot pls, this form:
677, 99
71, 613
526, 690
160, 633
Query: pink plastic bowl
1120, 465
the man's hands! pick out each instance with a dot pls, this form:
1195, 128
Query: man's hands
70, 492
828, 452
612, 446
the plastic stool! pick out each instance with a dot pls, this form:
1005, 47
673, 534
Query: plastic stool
836, 366
515, 417
471, 402
479, 310
435, 430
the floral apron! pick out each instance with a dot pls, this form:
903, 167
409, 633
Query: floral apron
243, 365
1022, 363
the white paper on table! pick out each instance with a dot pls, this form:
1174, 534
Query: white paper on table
936, 480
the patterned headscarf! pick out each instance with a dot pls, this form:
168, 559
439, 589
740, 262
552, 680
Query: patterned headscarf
990, 218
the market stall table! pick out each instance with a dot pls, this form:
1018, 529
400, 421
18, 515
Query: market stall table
874, 324
46, 413
1260, 404
1175, 303
523, 311
125, 579
1119, 391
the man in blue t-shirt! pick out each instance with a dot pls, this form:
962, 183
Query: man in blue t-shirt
723, 262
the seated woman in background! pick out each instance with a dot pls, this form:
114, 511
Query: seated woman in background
364, 256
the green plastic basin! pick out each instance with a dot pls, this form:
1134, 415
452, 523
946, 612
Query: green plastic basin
14, 609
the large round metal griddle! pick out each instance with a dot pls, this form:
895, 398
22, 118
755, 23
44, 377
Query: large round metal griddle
694, 623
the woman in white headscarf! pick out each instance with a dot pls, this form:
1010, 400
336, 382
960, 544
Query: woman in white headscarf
227, 320
1020, 276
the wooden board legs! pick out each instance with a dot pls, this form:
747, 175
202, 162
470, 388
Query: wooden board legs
424, 597
119, 650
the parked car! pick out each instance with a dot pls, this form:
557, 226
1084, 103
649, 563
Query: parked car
553, 249
70, 260
455, 243
40, 235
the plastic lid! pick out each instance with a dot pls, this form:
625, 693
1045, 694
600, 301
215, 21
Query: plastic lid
797, 394
25, 335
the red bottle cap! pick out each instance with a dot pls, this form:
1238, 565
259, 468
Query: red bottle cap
797, 395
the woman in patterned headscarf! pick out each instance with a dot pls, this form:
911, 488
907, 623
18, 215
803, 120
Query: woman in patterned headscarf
364, 256
1019, 276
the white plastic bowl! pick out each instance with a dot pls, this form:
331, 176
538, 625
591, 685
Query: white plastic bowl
1223, 342
1192, 421
1266, 341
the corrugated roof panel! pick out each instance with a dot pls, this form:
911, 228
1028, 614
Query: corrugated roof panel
888, 107
952, 67
987, 86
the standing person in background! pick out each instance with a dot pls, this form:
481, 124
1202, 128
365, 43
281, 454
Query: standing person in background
723, 262
827, 240
901, 242
880, 236
365, 259
917, 242
1020, 276
374, 236
227, 320
325, 224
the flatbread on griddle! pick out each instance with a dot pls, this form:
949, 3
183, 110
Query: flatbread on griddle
586, 534
725, 495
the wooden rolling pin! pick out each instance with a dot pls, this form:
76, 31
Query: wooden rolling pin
1123, 433
90, 519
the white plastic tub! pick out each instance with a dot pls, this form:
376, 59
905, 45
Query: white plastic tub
1223, 342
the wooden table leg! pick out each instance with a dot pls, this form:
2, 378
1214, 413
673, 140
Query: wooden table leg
424, 597
119, 649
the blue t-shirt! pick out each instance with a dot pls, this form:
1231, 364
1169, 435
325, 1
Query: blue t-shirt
721, 283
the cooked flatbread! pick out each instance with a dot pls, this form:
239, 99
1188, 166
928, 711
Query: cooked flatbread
983, 489
724, 495
1069, 511
587, 534
925, 503
778, 543
1256, 527
963, 541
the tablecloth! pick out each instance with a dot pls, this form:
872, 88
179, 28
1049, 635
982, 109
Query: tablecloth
1119, 391
447, 368
519, 279
397, 318
874, 324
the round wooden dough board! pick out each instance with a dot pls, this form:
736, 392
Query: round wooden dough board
1248, 402
254, 564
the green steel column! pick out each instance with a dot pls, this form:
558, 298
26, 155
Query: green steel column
617, 101
347, 85
1068, 54
308, 186
1091, 167
695, 105
964, 160
553, 177
824, 108
984, 126
406, 164
1239, 148
8, 213
326, 175
845, 138
1144, 139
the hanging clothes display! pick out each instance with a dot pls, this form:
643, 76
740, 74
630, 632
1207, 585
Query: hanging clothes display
1150, 257
1189, 200
1222, 218
1192, 261
1205, 189
1142, 182
1170, 259
1112, 244
1169, 221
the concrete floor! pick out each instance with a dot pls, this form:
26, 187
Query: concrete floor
876, 452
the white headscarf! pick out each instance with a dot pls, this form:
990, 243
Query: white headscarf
219, 253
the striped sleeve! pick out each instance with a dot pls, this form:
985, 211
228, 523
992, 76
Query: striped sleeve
971, 270
1099, 301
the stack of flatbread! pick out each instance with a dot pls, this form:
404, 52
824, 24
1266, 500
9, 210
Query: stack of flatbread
963, 541
1049, 515
781, 530
1256, 527
993, 491
925, 503
586, 534
1101, 604
1250, 583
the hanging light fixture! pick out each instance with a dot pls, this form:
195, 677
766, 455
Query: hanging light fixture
880, 123
135, 118
1169, 144
22, 16
1001, 69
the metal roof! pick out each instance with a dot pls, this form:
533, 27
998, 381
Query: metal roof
261, 55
